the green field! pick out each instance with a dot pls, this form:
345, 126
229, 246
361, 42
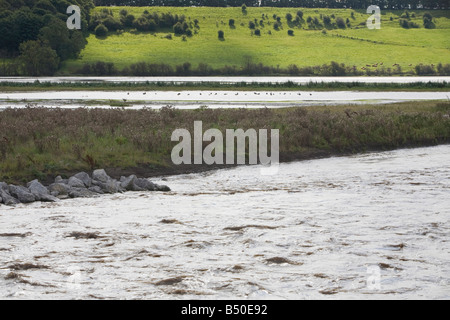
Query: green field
355, 45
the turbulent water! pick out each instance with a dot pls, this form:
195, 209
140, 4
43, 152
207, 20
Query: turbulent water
367, 226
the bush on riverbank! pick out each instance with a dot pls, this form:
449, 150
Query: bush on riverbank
40, 142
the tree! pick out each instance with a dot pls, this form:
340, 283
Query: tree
340, 23
101, 31
290, 32
178, 28
288, 17
221, 35
38, 58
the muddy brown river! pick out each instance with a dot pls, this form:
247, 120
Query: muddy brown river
370, 226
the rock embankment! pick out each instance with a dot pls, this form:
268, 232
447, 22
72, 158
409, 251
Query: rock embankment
80, 185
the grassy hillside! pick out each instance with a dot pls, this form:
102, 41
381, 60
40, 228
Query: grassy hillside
355, 45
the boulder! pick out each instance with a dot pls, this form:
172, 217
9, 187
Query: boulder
145, 184
22, 194
83, 176
4, 186
59, 189
38, 190
128, 183
58, 179
81, 193
76, 183
7, 198
100, 175
48, 198
96, 189
110, 186
162, 188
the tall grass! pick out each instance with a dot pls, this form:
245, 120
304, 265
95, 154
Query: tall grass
37, 142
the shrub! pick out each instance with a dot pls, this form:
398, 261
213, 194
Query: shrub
178, 28
188, 32
340, 23
290, 32
428, 16
424, 70
276, 26
128, 20
257, 32
288, 17
101, 30
300, 14
221, 35
428, 21
326, 20
244, 8
231, 22
251, 25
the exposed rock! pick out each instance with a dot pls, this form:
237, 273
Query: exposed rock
83, 176
100, 175
81, 193
80, 185
127, 183
40, 192
59, 189
4, 186
22, 194
7, 198
58, 179
76, 183
36, 188
145, 184
162, 188
96, 189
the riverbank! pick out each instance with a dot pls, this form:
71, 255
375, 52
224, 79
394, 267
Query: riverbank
41, 143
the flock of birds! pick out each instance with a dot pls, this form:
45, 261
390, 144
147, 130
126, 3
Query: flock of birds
225, 94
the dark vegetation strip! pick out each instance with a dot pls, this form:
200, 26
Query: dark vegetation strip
388, 4
43, 143
223, 85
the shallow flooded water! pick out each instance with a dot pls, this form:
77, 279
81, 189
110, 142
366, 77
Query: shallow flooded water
215, 99
368, 226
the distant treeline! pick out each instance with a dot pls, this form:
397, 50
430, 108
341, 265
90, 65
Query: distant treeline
354, 4
36, 33
256, 69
